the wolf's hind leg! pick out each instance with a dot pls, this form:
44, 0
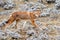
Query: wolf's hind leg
16, 23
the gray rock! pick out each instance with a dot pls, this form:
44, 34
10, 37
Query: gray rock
57, 28
32, 6
40, 5
9, 1
2, 3
40, 1
55, 11
7, 12
9, 6
57, 4
3, 35
50, 1
13, 34
57, 37
43, 36
30, 32
45, 12
31, 38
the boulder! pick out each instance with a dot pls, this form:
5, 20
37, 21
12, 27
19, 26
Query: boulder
2, 3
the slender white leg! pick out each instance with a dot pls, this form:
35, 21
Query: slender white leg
24, 24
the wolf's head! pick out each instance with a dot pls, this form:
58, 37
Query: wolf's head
37, 12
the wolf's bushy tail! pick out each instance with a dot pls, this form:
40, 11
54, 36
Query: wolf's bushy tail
8, 22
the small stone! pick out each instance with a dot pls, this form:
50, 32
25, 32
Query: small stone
2, 3
9, 6
50, 1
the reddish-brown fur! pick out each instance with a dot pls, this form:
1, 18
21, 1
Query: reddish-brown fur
23, 15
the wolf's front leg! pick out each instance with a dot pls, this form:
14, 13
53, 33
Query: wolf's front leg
33, 23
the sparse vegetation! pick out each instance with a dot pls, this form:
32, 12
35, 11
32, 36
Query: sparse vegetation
48, 22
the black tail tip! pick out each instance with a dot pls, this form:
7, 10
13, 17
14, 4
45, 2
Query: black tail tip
3, 23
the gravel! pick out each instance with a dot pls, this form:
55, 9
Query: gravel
43, 32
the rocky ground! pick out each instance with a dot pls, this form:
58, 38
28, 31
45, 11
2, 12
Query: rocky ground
49, 23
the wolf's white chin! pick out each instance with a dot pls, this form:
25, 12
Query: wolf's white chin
36, 15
